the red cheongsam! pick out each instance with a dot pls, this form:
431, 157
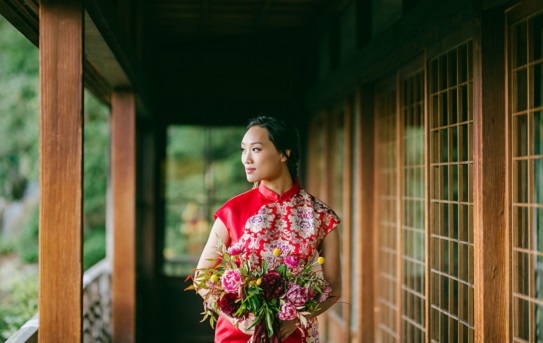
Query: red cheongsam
260, 220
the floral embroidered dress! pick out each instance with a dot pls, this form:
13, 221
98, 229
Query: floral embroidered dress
259, 221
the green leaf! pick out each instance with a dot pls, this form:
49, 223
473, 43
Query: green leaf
282, 269
269, 324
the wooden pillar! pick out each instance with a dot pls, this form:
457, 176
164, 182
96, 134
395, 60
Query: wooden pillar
347, 216
61, 171
123, 160
147, 186
364, 198
490, 234
325, 181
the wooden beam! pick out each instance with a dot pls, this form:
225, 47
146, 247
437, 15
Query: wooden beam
101, 58
347, 221
148, 182
61, 172
123, 160
366, 207
492, 287
111, 36
427, 247
23, 18
419, 28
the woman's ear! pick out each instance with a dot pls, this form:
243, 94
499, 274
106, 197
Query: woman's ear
285, 155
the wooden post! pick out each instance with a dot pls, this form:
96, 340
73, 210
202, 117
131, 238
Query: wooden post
490, 235
365, 224
61, 171
347, 217
123, 158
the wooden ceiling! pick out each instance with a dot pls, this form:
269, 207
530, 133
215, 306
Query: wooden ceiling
219, 61
186, 21
198, 61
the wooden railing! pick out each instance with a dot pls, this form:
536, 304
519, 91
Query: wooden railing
96, 309
28, 333
97, 303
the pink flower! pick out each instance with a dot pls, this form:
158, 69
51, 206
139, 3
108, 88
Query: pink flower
231, 280
297, 295
288, 311
292, 261
327, 289
234, 250
310, 293
325, 293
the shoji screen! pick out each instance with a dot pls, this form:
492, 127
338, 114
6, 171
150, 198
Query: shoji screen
387, 214
413, 231
451, 195
526, 109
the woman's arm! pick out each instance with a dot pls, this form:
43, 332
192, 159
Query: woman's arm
331, 269
218, 232
332, 273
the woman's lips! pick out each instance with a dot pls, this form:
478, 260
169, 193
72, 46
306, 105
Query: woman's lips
249, 170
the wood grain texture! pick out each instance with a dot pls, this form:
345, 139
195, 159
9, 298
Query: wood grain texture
61, 172
428, 252
366, 209
347, 217
490, 232
123, 158
399, 206
336, 325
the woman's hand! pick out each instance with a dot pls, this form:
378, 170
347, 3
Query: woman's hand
287, 327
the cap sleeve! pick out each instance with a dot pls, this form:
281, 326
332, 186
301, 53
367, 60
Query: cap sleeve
330, 221
225, 215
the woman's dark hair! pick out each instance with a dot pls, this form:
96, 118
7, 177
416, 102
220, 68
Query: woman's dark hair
284, 136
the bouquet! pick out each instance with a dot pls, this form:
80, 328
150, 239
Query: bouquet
286, 290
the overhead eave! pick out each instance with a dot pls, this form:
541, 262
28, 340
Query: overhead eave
110, 62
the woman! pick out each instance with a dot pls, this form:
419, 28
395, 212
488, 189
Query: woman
275, 214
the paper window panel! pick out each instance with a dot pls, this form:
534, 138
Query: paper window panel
451, 195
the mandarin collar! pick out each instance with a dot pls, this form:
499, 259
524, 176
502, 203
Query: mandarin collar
271, 195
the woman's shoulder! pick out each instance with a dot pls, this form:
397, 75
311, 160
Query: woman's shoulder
305, 196
242, 198
323, 211
236, 208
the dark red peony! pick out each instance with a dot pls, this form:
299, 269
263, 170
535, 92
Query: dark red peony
272, 285
228, 304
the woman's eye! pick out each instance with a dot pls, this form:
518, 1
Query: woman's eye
242, 150
256, 149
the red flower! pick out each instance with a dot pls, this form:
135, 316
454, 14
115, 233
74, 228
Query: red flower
272, 285
228, 304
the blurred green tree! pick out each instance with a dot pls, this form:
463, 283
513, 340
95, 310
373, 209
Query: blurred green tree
19, 112
19, 167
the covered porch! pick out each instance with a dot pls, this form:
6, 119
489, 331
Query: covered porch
421, 123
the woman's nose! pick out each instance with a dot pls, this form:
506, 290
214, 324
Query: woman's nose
247, 158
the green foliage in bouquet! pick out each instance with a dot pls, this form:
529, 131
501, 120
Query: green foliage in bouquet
237, 288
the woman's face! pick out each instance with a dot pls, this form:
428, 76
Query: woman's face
261, 159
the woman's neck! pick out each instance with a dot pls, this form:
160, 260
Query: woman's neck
279, 186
